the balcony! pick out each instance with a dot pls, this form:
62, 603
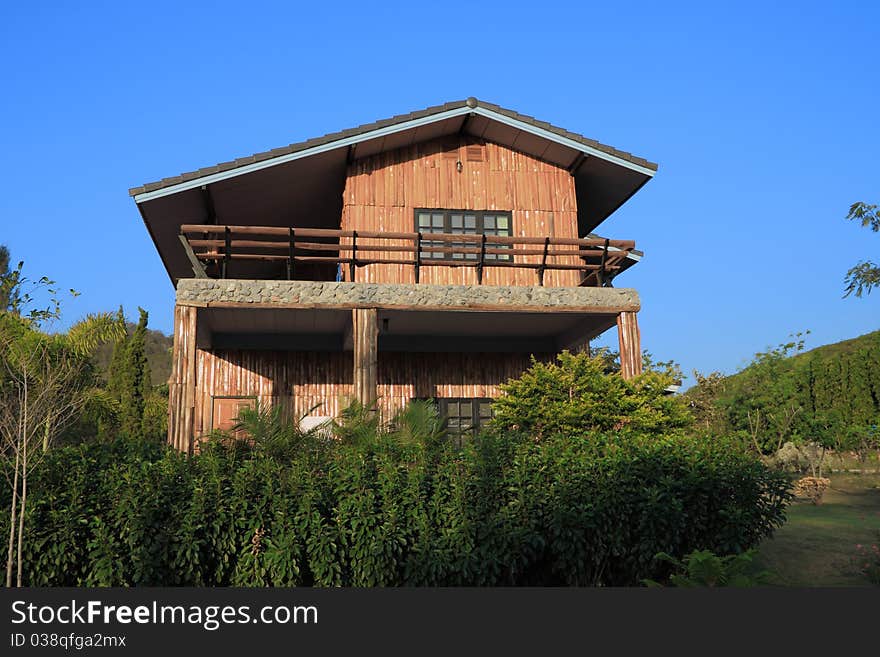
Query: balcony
280, 253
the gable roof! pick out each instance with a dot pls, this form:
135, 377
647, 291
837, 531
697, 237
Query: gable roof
398, 123
302, 183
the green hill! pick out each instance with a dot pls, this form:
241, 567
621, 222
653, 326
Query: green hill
843, 378
158, 355
830, 394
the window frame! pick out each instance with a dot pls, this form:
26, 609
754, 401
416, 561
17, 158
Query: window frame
463, 431
215, 398
479, 229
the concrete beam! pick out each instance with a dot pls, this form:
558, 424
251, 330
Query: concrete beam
318, 294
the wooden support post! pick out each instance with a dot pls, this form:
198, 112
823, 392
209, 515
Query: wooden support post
182, 382
366, 348
630, 345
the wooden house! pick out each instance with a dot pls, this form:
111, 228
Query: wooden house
429, 255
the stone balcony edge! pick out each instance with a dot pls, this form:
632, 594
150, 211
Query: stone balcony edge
310, 294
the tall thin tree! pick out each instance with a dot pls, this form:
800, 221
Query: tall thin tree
135, 380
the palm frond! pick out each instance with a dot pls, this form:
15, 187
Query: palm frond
93, 330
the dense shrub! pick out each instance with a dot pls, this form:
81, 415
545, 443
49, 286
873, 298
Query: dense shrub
591, 509
574, 396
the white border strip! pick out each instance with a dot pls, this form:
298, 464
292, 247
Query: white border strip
565, 141
382, 132
290, 157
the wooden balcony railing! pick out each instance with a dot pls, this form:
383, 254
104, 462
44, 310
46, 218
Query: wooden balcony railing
598, 260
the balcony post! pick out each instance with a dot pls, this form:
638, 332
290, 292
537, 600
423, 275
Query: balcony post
630, 345
291, 255
418, 259
352, 264
227, 251
543, 266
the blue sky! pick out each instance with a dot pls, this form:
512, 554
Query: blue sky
763, 117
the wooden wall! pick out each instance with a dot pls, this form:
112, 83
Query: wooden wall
406, 376
383, 191
326, 378
305, 378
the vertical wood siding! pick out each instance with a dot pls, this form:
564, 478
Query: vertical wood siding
298, 380
406, 376
302, 380
383, 191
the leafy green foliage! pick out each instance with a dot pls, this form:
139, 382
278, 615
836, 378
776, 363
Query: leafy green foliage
861, 278
703, 399
357, 424
829, 396
866, 214
864, 276
137, 407
419, 423
46, 380
765, 401
157, 348
5, 291
270, 432
574, 396
611, 363
21, 295
55, 366
135, 380
590, 509
704, 568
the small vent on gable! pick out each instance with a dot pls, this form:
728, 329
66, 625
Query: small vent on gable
475, 153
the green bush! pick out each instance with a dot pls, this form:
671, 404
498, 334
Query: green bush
392, 509
704, 568
574, 396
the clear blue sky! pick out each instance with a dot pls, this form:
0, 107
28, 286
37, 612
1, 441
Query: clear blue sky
763, 117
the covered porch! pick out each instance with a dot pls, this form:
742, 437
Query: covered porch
313, 343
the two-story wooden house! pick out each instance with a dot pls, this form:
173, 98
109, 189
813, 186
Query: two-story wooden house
429, 255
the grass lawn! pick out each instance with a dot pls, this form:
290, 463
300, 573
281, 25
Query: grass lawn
817, 546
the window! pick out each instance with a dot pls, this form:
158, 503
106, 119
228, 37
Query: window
464, 222
464, 415
225, 410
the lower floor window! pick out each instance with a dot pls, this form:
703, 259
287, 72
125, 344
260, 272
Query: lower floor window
225, 410
464, 416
